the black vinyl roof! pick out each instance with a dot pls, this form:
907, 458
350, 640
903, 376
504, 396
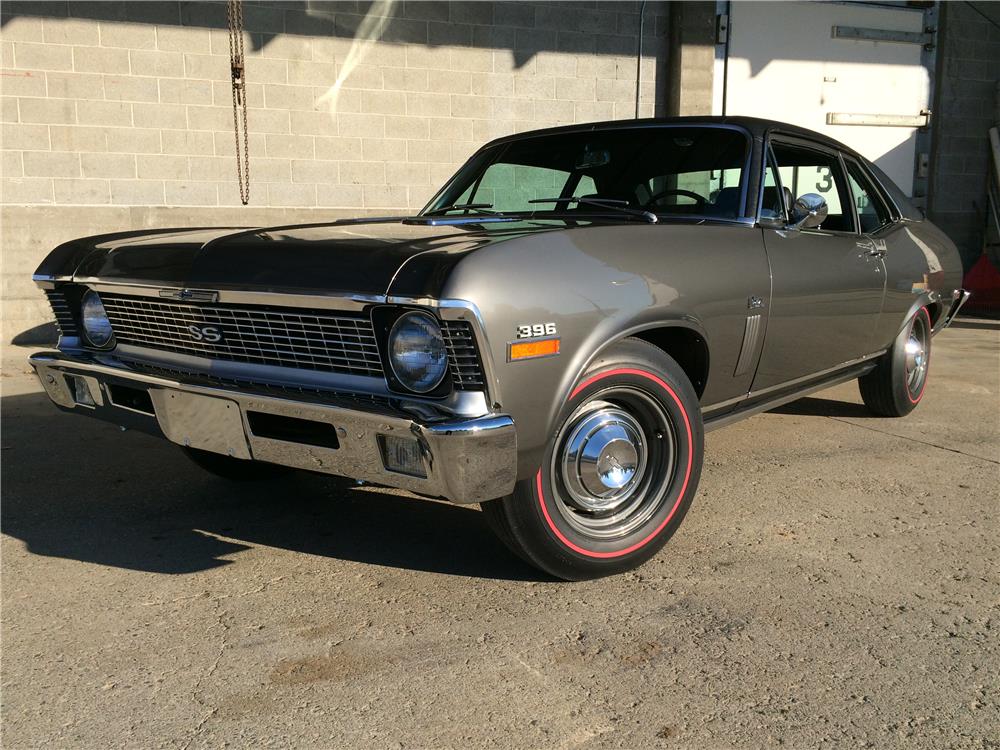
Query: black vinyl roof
756, 126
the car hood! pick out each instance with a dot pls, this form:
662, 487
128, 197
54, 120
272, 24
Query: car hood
374, 257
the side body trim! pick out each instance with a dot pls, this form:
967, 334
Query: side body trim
751, 335
752, 395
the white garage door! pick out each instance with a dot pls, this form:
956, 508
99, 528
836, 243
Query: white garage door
803, 63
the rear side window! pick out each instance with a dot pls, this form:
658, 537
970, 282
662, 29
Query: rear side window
873, 214
804, 170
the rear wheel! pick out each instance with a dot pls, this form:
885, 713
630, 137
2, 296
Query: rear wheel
896, 385
234, 469
618, 474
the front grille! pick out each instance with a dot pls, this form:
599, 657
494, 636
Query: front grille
61, 309
463, 357
255, 334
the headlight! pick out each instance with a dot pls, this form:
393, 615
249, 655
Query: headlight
417, 353
96, 326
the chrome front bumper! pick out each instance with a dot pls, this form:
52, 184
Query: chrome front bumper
464, 460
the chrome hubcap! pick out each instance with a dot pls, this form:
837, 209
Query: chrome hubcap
603, 458
613, 462
916, 355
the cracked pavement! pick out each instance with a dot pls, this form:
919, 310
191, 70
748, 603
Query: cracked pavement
836, 582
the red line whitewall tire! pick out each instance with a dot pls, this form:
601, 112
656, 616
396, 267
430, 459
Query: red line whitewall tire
619, 473
899, 380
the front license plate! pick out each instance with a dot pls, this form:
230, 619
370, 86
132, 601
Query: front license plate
205, 422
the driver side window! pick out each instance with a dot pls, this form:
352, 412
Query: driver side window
804, 170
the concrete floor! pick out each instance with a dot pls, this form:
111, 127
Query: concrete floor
837, 582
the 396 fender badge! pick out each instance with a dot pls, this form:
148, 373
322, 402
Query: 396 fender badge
533, 330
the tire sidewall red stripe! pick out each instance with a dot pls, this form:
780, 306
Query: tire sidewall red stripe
539, 489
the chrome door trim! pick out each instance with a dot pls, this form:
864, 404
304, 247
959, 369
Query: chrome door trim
722, 420
814, 375
789, 383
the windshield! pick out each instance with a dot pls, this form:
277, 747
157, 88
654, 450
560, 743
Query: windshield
668, 170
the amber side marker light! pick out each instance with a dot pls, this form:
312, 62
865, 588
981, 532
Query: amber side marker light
531, 349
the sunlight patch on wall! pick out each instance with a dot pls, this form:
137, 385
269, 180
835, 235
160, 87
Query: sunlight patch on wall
369, 32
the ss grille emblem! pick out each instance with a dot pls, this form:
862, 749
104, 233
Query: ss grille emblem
208, 334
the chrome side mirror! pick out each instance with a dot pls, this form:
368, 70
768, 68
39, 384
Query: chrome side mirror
808, 211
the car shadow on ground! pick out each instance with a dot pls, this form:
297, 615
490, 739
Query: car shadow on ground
823, 407
976, 324
78, 488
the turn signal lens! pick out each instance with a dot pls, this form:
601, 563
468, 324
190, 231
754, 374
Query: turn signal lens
402, 455
528, 349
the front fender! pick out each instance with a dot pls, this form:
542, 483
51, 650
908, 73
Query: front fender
598, 285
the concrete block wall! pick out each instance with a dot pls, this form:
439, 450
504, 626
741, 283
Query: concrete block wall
966, 108
118, 115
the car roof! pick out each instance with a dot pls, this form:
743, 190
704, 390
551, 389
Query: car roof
756, 126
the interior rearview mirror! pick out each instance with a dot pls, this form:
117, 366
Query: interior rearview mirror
808, 211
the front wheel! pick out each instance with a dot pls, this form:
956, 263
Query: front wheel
618, 474
896, 385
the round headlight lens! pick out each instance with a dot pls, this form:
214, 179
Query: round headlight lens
96, 325
417, 353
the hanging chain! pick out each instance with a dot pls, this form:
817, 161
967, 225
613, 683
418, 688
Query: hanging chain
235, 12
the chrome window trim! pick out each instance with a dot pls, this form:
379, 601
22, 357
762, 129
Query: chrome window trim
767, 159
872, 186
801, 142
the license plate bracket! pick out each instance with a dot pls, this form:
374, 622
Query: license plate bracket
204, 422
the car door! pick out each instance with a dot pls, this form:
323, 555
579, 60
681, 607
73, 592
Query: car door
827, 283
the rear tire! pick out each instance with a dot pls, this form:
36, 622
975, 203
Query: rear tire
618, 474
896, 385
234, 469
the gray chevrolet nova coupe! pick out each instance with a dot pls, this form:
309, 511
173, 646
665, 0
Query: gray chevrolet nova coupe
550, 337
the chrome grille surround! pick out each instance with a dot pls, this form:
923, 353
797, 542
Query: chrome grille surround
282, 336
61, 309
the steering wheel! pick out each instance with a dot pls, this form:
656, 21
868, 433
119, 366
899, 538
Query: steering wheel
699, 200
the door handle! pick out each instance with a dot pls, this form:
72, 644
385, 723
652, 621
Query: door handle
873, 248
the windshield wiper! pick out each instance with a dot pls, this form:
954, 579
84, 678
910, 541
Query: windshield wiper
482, 207
604, 203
